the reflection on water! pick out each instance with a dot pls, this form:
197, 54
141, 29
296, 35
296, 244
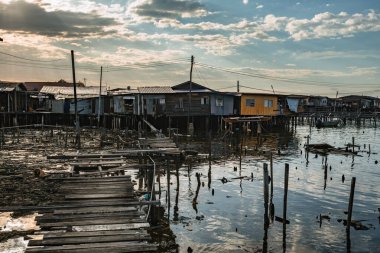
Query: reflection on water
227, 216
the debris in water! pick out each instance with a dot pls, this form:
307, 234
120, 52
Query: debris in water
224, 180
279, 219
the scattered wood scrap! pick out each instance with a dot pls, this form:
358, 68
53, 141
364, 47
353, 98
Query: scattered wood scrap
325, 149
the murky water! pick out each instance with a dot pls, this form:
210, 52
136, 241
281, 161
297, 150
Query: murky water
232, 220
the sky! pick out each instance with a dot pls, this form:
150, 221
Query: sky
311, 47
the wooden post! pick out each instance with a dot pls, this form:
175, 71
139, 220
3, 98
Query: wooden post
241, 148
350, 203
271, 175
285, 205
266, 200
369, 149
308, 141
189, 129
2, 141
100, 94
353, 144
77, 136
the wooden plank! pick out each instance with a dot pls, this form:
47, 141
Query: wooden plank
96, 185
88, 239
98, 247
93, 233
97, 191
95, 221
126, 177
80, 204
96, 209
52, 217
99, 196
110, 227
96, 163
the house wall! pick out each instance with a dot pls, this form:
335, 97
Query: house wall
258, 108
151, 105
57, 106
200, 104
84, 106
227, 107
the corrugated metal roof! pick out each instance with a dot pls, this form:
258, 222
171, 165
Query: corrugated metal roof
68, 92
155, 90
7, 89
194, 91
123, 92
9, 86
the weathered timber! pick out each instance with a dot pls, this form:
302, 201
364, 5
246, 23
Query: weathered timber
98, 196
51, 217
88, 239
114, 247
95, 221
50, 234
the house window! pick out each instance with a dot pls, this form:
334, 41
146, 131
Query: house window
268, 103
180, 104
162, 101
250, 102
204, 101
219, 102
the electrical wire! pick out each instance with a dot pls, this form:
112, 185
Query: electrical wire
27, 59
273, 78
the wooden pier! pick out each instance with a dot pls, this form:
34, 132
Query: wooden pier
97, 214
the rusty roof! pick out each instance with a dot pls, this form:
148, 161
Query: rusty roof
155, 90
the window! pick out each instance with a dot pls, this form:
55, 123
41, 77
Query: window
180, 104
162, 101
268, 103
204, 101
250, 102
219, 102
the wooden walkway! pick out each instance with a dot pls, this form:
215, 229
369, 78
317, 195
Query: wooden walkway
98, 214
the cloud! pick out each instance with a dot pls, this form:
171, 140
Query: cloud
32, 18
245, 1
259, 6
150, 10
323, 55
214, 44
314, 74
329, 25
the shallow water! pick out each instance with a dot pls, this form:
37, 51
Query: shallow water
231, 220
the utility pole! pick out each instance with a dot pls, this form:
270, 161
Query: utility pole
77, 136
100, 94
191, 84
238, 87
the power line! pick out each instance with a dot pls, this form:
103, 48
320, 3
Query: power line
142, 66
27, 59
273, 78
198, 72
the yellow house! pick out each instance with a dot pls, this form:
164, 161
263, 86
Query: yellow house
257, 104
